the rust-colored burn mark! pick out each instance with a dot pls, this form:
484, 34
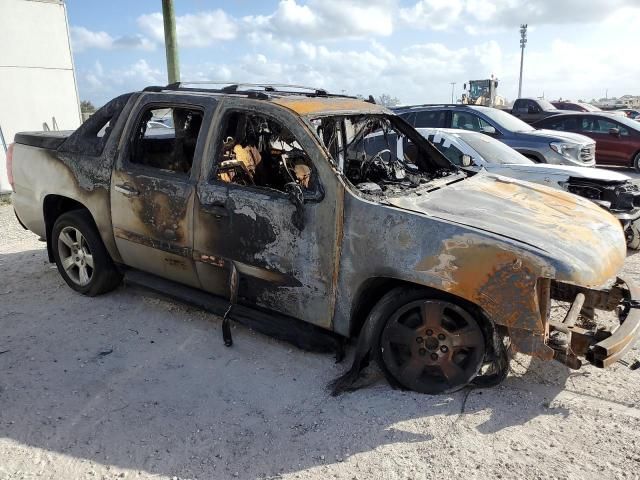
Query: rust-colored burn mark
535, 216
530, 343
318, 105
210, 259
175, 263
162, 210
498, 279
168, 247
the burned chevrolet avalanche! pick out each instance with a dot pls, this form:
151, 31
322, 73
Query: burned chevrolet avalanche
327, 217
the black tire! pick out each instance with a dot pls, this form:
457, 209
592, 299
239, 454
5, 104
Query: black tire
395, 308
636, 162
633, 235
99, 278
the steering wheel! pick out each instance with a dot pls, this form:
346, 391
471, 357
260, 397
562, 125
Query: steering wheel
364, 167
378, 156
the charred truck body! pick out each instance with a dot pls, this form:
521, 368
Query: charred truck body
309, 207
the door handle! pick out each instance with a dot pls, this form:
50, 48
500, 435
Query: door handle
126, 190
218, 210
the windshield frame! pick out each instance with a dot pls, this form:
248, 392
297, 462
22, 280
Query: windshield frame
546, 105
437, 159
626, 121
491, 143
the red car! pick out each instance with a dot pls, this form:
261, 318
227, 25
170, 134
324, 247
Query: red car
617, 137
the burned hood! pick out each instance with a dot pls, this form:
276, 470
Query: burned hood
584, 244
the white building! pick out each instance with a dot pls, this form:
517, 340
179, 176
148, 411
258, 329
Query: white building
37, 79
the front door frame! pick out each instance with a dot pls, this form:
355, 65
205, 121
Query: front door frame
302, 286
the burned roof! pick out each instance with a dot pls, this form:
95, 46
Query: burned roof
301, 100
303, 105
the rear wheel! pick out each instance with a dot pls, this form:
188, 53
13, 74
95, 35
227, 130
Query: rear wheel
636, 162
80, 255
429, 345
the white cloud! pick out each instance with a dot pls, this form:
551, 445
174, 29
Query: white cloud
297, 44
420, 73
84, 39
326, 19
102, 84
433, 14
486, 16
194, 30
571, 71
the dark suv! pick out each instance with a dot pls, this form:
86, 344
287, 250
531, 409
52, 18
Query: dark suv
543, 146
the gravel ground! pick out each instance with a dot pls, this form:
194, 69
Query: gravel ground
129, 386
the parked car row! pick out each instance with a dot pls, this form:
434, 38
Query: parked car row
564, 137
320, 218
545, 146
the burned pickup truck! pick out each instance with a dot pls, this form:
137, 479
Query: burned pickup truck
303, 208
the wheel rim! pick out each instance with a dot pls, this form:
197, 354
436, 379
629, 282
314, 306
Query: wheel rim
75, 256
432, 346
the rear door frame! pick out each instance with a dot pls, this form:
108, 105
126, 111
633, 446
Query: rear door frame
153, 223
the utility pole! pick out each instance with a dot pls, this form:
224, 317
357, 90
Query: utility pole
171, 41
523, 42
453, 86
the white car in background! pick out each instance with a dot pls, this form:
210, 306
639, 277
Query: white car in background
613, 191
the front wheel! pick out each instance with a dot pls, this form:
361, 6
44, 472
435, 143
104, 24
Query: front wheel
81, 257
429, 345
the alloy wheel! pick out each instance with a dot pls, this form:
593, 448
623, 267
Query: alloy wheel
75, 256
432, 346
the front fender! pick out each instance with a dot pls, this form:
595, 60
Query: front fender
498, 277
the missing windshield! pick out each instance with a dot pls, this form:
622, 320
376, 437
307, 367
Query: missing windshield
380, 154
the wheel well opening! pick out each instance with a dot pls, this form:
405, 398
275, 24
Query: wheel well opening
53, 207
533, 157
373, 289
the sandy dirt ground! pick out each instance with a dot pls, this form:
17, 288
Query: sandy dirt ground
129, 386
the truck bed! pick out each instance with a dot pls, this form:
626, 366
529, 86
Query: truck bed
50, 140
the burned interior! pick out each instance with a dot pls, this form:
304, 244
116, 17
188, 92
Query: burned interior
611, 195
166, 138
380, 156
259, 151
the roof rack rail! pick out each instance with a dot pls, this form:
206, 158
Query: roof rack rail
253, 90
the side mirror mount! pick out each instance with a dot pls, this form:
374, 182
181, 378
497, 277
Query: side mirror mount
466, 160
488, 130
296, 197
614, 132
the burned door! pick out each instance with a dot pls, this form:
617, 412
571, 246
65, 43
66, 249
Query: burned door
247, 216
153, 186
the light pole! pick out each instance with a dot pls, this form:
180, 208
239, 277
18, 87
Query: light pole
171, 41
453, 86
523, 42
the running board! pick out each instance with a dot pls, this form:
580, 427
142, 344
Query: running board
301, 334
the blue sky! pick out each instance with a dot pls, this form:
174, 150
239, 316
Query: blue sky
411, 49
